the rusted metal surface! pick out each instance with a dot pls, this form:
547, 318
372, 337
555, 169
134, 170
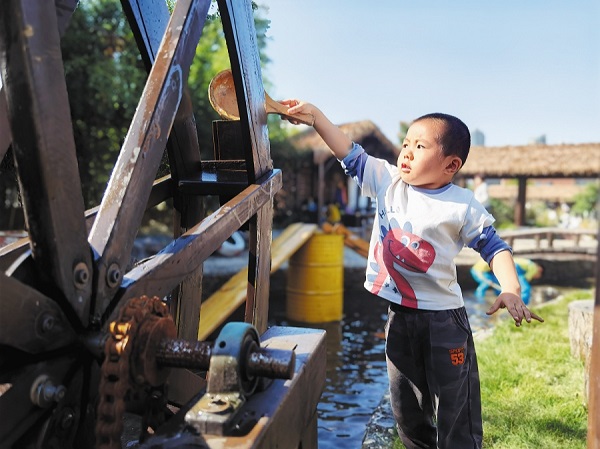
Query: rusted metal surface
283, 415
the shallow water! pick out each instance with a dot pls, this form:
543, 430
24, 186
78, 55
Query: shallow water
356, 371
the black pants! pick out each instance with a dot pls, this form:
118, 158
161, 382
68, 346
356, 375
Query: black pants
434, 380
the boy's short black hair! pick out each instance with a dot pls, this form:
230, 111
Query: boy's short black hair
456, 139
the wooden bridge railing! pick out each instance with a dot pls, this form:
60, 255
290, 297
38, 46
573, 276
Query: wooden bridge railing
546, 240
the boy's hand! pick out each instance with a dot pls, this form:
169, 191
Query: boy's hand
299, 107
515, 306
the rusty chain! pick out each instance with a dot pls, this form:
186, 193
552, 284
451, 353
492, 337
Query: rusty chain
116, 378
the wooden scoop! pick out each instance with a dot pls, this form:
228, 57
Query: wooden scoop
222, 97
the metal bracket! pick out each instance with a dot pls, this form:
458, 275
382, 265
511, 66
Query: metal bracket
229, 382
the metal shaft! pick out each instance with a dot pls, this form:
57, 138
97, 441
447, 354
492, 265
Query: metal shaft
261, 362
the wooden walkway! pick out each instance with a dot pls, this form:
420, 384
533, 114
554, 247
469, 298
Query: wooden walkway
221, 304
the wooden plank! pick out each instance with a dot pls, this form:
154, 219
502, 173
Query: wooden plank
351, 240
593, 437
290, 241
30, 321
161, 191
123, 205
221, 304
64, 10
238, 26
44, 148
259, 268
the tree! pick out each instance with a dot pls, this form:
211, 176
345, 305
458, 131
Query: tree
105, 77
587, 201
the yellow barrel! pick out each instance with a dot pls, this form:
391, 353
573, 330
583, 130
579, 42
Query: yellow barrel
315, 280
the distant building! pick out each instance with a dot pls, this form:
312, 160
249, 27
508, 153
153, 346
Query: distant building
541, 140
477, 138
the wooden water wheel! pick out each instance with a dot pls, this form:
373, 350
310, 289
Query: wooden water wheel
85, 340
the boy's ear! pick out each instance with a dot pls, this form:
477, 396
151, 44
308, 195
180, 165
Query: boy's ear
453, 165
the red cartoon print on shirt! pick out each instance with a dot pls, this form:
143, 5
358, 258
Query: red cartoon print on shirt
400, 249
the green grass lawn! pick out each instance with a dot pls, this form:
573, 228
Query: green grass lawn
532, 388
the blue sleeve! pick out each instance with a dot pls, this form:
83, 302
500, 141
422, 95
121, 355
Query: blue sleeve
489, 243
354, 163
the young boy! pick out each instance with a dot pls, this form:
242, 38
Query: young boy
422, 222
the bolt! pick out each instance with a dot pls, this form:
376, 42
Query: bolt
68, 419
95, 320
44, 392
48, 323
81, 275
113, 275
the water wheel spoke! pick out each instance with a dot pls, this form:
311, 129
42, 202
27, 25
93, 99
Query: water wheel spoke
44, 145
31, 321
124, 202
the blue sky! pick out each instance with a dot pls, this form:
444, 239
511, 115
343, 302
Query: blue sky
513, 69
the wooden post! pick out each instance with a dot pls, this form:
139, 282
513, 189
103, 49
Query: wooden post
521, 198
238, 26
321, 193
593, 439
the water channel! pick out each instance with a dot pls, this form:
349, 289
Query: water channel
356, 372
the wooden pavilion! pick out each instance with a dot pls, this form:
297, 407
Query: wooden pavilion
532, 161
329, 173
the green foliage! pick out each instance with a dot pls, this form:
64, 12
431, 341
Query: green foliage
503, 212
105, 78
531, 387
587, 201
402, 131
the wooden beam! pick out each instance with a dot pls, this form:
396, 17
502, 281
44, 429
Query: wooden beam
259, 263
160, 274
593, 437
124, 202
521, 199
64, 10
44, 148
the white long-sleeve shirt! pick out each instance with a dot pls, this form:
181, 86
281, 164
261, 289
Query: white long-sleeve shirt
417, 233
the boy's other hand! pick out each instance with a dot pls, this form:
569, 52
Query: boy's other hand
515, 306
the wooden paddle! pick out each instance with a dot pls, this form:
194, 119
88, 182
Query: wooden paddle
222, 97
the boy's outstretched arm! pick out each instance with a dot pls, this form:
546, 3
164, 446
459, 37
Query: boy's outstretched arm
503, 266
339, 144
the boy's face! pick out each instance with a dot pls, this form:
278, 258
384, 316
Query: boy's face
421, 161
